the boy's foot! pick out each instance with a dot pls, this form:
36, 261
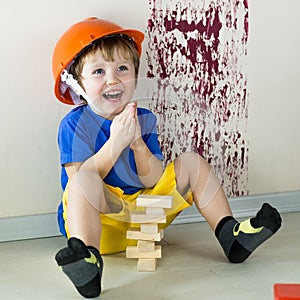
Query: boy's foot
240, 239
83, 265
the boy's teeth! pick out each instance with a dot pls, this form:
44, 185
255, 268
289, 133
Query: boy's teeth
112, 95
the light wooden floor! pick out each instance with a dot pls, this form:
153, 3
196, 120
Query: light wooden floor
192, 267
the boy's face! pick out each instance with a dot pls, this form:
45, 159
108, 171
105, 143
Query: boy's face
109, 84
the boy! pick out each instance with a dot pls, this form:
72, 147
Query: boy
110, 154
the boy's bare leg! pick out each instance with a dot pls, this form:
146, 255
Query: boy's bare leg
85, 201
238, 239
194, 173
81, 260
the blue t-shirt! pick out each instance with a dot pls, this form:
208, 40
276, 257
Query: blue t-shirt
82, 133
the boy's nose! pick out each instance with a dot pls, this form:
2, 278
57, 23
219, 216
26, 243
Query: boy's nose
112, 78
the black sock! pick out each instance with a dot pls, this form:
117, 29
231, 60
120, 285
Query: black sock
240, 239
83, 265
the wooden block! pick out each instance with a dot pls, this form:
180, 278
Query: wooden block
149, 227
132, 252
154, 201
146, 264
141, 217
286, 291
136, 234
144, 246
155, 212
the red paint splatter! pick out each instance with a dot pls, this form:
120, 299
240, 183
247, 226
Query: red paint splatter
196, 51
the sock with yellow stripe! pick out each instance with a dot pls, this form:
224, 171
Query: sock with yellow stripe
240, 239
83, 265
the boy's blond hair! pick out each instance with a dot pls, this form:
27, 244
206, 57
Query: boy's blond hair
123, 45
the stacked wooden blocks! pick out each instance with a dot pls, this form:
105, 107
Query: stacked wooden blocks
148, 232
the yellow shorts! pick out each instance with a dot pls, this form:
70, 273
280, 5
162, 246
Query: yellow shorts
114, 226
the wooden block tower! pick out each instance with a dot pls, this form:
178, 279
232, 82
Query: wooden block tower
148, 232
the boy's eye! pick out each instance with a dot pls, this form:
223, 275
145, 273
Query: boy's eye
99, 71
122, 68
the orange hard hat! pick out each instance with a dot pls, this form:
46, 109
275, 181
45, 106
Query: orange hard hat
74, 40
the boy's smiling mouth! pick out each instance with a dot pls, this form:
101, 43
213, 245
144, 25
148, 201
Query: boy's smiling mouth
112, 95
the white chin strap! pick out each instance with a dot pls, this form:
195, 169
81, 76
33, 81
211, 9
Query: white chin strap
76, 90
69, 80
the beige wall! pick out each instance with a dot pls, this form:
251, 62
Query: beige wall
274, 87
29, 172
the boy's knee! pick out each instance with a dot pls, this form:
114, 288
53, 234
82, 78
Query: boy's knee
189, 156
187, 159
190, 161
87, 185
83, 178
186, 166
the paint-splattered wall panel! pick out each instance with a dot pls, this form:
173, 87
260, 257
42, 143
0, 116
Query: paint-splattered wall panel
196, 52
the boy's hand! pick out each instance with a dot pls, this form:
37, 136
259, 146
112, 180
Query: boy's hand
137, 139
123, 127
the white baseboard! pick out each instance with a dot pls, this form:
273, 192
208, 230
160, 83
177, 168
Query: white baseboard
247, 206
40, 226
28, 227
